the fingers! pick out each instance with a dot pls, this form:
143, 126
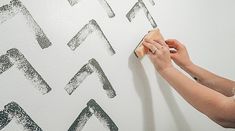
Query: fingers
161, 42
172, 43
150, 46
154, 43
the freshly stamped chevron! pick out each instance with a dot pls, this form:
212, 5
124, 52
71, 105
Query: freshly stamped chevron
10, 10
135, 9
13, 110
87, 30
103, 3
87, 112
15, 57
91, 67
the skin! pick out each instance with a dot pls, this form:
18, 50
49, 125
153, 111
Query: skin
210, 94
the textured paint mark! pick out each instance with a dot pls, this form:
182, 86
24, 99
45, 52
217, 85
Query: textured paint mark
87, 30
14, 57
30, 73
102, 116
81, 120
103, 3
13, 110
78, 78
4, 119
9, 11
86, 70
103, 78
15, 6
84, 116
140, 5
5, 63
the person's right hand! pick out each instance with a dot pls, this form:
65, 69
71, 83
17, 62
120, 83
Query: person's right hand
179, 55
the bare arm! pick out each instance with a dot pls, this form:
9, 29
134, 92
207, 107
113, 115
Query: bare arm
215, 105
209, 79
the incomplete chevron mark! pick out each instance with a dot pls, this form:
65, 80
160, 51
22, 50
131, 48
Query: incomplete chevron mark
15, 6
87, 30
86, 70
87, 112
14, 57
13, 110
103, 3
140, 5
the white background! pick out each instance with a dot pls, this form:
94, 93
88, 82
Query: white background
144, 102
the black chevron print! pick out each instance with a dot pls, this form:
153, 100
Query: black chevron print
13, 110
89, 28
140, 5
15, 57
103, 3
86, 70
15, 7
87, 112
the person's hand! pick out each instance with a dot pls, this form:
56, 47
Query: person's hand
179, 55
159, 54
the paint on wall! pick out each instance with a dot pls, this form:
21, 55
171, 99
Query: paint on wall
103, 3
15, 57
13, 110
81, 120
87, 30
10, 10
103, 78
78, 78
87, 112
136, 8
4, 119
86, 70
5, 63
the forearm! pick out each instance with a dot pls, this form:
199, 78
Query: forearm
204, 99
211, 80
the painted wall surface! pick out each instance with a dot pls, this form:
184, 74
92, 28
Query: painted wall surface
69, 64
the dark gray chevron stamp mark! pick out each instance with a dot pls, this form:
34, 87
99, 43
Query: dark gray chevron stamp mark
15, 57
87, 30
5, 63
136, 8
103, 3
13, 110
91, 67
93, 108
4, 119
10, 10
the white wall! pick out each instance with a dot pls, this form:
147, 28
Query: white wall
144, 102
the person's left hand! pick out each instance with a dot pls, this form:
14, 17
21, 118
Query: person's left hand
159, 54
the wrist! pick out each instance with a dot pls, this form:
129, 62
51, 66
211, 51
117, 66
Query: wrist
165, 70
188, 67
